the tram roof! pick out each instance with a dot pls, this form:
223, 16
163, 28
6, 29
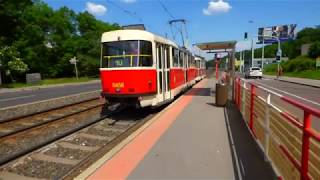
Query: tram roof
130, 34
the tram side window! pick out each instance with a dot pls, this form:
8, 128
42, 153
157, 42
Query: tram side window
145, 58
159, 56
193, 61
175, 54
189, 60
181, 55
168, 56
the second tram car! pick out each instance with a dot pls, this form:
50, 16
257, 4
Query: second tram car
143, 69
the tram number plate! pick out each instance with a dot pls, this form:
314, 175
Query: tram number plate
118, 85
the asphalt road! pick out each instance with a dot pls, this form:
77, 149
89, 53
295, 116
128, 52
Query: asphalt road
305, 94
28, 96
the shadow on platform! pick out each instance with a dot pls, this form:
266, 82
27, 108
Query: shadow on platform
248, 159
198, 92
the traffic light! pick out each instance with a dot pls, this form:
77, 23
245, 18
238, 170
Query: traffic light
245, 35
278, 58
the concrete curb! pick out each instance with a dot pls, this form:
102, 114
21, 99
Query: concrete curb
293, 82
45, 105
33, 88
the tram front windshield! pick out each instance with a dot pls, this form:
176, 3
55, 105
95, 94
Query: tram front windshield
120, 54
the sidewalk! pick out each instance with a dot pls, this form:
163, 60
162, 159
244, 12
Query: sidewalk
37, 87
190, 139
302, 81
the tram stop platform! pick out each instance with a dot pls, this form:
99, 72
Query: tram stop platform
190, 139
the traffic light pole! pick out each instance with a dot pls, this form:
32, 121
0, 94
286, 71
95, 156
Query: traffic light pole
279, 53
252, 52
262, 55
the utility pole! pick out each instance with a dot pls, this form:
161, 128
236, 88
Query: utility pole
278, 58
262, 56
252, 52
240, 66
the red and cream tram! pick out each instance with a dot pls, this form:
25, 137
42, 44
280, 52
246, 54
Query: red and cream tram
143, 69
201, 67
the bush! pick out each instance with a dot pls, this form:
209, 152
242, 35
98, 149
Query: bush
301, 63
314, 50
270, 68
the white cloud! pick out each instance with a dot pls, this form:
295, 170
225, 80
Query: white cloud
215, 7
96, 9
128, 1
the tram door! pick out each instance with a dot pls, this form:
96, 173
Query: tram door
162, 73
185, 62
166, 61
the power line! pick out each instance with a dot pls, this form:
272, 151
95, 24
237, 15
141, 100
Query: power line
173, 22
130, 13
172, 17
166, 9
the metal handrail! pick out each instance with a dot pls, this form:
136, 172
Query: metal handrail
306, 128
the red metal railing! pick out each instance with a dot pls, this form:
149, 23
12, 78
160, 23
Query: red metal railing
307, 131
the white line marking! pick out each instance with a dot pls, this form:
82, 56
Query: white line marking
242, 167
14, 98
289, 94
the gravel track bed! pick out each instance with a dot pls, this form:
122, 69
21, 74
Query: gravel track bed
67, 153
17, 124
101, 132
40, 169
82, 141
117, 126
33, 138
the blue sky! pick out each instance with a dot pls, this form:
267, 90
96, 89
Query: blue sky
223, 21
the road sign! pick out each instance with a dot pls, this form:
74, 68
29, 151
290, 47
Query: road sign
279, 52
318, 62
73, 60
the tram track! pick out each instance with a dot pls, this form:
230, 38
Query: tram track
24, 141
16, 125
63, 147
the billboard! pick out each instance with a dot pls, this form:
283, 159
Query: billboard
284, 32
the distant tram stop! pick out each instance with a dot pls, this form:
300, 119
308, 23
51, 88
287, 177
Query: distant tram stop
227, 72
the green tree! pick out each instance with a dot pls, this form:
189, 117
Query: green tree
314, 50
11, 63
46, 39
10, 18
